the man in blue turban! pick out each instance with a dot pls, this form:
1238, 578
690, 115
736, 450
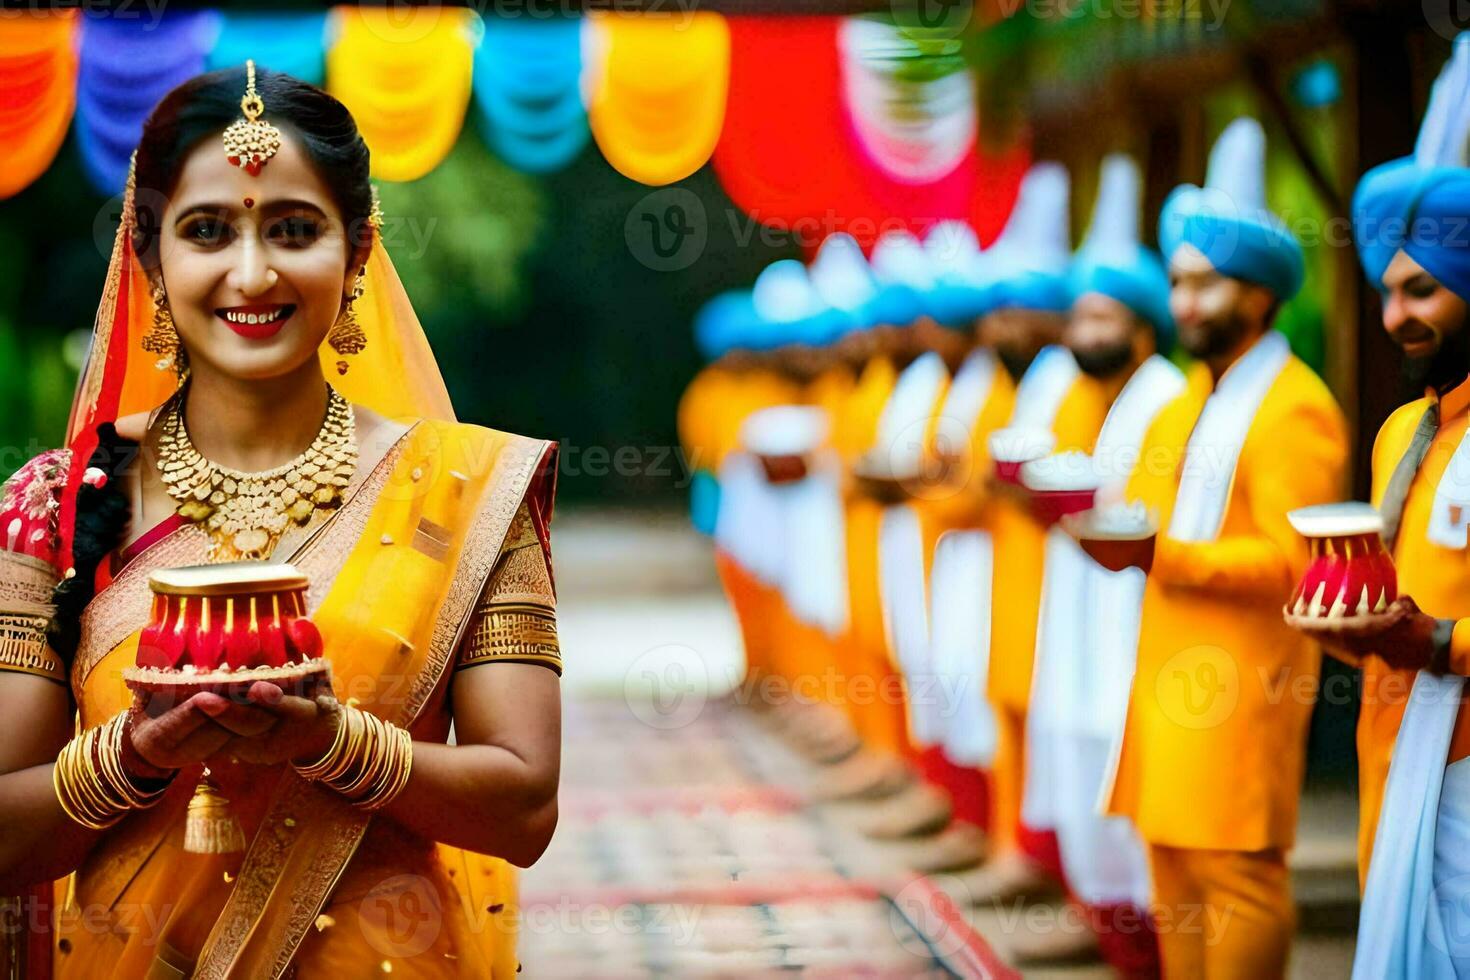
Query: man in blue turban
1232, 262
1411, 219
1087, 640
1256, 437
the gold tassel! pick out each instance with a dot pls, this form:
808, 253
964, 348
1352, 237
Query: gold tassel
210, 827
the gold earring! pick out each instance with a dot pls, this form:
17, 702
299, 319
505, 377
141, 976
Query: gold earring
163, 337
346, 336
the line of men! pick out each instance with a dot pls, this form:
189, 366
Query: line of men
1107, 702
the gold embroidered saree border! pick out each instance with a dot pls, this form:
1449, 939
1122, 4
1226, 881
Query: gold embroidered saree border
338, 827
122, 608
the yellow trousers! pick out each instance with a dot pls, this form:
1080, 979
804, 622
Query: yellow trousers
1007, 778
1222, 915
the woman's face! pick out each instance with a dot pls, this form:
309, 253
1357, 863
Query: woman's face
256, 268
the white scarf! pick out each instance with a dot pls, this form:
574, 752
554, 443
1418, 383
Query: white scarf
814, 545
1087, 632
965, 400
1401, 926
904, 421
960, 643
906, 619
1086, 648
1214, 446
1042, 388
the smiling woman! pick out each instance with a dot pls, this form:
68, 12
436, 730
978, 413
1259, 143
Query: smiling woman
247, 272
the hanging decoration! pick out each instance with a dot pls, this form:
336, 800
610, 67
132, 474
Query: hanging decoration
784, 167
911, 104
38, 69
404, 72
286, 42
528, 76
127, 65
658, 99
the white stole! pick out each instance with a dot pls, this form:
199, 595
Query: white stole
906, 619
1214, 446
901, 560
1042, 388
904, 421
814, 545
964, 401
1086, 648
959, 593
1402, 930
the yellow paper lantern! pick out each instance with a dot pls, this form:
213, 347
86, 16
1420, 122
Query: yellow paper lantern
658, 94
404, 72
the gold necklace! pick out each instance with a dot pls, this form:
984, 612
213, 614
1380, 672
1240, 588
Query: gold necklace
246, 513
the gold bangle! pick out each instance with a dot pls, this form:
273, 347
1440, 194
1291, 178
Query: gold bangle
312, 771
91, 784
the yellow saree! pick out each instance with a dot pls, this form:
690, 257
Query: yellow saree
397, 575
323, 889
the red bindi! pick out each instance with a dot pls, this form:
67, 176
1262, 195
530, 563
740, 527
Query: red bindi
249, 202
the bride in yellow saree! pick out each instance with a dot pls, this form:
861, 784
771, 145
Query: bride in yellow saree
427, 563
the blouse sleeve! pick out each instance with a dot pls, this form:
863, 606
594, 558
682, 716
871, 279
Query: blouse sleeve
515, 619
30, 506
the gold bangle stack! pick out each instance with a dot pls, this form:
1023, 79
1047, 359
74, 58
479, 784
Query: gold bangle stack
368, 762
91, 784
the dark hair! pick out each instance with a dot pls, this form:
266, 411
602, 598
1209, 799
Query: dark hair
205, 105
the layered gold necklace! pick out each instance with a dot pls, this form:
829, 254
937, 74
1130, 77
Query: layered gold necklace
246, 513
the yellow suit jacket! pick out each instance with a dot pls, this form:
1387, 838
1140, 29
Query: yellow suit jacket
1438, 579
1019, 543
1214, 747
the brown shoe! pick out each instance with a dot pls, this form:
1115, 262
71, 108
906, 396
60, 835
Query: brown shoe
958, 847
1006, 878
918, 810
862, 776
1065, 940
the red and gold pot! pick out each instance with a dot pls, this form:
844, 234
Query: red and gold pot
1350, 576
223, 627
1060, 484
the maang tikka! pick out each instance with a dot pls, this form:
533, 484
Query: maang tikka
250, 142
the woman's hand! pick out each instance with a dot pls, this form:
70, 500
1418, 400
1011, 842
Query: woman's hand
163, 737
278, 727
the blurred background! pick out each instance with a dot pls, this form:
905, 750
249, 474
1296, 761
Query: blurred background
566, 184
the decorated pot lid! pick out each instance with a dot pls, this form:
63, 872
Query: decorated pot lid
1337, 520
227, 578
1069, 471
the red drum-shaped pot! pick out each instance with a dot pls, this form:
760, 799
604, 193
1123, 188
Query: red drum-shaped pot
1062, 484
1351, 574
224, 627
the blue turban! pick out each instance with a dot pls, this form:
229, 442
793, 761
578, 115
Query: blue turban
1252, 246
958, 304
724, 324
1134, 276
1423, 211
1046, 292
